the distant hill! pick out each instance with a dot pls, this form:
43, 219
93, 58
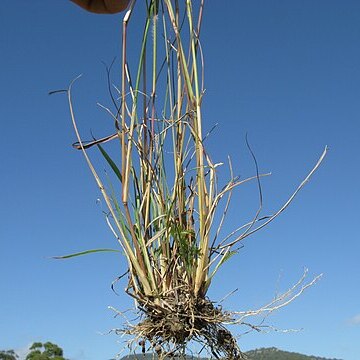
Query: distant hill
258, 354
276, 354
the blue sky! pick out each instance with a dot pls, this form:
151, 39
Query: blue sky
287, 73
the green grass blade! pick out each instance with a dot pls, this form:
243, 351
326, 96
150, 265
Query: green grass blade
84, 253
110, 162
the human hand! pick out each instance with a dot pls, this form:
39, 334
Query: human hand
103, 6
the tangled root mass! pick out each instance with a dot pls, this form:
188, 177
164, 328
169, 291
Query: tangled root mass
170, 323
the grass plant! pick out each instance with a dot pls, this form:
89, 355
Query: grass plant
163, 205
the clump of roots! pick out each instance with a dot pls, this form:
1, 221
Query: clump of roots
171, 322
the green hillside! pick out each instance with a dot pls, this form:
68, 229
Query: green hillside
258, 354
276, 354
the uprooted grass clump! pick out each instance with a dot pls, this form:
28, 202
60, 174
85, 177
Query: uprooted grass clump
164, 208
